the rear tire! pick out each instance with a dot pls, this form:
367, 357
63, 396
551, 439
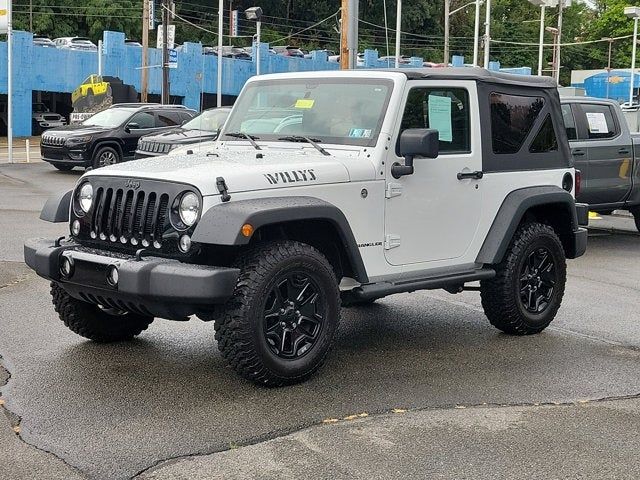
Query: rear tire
105, 156
525, 295
94, 323
280, 323
635, 211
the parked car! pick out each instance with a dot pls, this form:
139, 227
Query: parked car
288, 51
391, 60
228, 52
43, 41
132, 43
606, 154
110, 136
76, 43
394, 182
43, 118
204, 127
330, 53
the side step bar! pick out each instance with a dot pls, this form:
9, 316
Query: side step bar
447, 282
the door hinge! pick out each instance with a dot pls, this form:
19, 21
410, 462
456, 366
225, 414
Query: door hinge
391, 241
393, 190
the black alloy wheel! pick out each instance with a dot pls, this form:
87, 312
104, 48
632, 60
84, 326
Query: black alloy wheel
293, 315
538, 278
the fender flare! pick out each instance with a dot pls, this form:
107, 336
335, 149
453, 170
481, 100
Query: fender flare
512, 211
222, 224
57, 208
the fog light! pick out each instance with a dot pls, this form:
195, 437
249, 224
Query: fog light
184, 244
66, 267
75, 228
112, 276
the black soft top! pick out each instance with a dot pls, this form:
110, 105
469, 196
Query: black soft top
479, 75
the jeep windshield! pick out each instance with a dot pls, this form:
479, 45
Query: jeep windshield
328, 110
110, 118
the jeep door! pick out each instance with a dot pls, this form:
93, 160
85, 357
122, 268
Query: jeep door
607, 176
431, 215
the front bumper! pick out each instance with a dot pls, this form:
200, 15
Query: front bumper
144, 154
152, 286
65, 156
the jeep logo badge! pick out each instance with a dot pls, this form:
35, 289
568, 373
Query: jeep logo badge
134, 184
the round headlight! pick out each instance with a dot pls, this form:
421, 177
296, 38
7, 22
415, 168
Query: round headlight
85, 197
189, 208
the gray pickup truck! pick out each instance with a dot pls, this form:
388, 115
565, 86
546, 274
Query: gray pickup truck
606, 153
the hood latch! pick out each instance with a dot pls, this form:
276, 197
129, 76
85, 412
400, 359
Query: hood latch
222, 188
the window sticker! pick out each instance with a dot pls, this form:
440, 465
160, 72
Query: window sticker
305, 103
360, 133
440, 117
597, 122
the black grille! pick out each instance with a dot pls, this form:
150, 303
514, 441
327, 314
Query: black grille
153, 147
52, 140
129, 216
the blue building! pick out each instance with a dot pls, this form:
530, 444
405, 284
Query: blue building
52, 74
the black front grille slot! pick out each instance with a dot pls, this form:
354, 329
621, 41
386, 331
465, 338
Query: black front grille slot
129, 216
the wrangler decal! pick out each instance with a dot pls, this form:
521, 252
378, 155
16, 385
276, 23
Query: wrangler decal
292, 176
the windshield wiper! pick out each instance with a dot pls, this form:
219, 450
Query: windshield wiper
302, 138
252, 139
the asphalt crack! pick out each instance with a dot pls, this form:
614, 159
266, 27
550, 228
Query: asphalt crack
279, 433
15, 420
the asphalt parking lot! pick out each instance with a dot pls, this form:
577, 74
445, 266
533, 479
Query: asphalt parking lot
419, 385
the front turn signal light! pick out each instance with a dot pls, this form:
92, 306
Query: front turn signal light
247, 230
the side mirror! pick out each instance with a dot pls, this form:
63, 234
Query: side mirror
415, 142
131, 126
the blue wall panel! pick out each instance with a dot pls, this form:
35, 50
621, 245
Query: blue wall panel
55, 70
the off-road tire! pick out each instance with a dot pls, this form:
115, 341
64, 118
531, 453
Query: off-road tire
89, 321
501, 295
101, 153
635, 211
242, 326
62, 167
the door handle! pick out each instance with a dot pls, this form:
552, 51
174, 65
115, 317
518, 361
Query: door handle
578, 153
472, 175
624, 151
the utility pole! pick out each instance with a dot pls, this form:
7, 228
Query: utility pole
487, 33
10, 79
144, 80
344, 32
31, 16
398, 31
447, 7
166, 6
561, 4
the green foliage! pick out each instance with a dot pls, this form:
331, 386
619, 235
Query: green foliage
512, 21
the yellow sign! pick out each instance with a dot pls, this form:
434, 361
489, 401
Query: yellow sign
3, 13
305, 103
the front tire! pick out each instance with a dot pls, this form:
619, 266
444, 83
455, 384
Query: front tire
525, 295
105, 156
280, 323
94, 323
62, 167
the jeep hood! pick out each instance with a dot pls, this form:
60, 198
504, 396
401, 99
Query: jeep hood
241, 171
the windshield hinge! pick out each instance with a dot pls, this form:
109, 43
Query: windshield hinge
391, 241
222, 188
393, 190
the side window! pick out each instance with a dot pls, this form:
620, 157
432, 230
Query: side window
143, 119
600, 122
512, 117
545, 140
569, 122
168, 119
443, 109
